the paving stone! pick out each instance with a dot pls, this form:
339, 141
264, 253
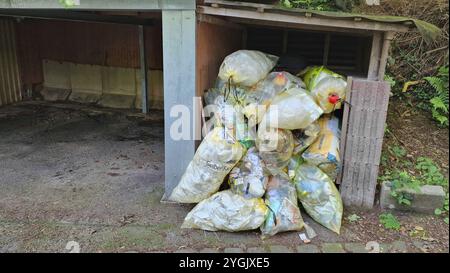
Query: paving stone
185, 250
332, 248
308, 249
280, 249
399, 246
385, 248
256, 250
425, 201
209, 250
356, 247
233, 250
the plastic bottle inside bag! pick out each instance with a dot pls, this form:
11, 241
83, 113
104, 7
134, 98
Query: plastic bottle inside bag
215, 157
227, 211
249, 177
275, 147
319, 196
327, 88
265, 90
324, 152
284, 213
303, 138
292, 109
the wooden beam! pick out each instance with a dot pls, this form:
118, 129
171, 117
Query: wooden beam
388, 36
217, 21
375, 56
344, 127
298, 18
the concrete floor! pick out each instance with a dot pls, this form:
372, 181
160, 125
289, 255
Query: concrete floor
96, 176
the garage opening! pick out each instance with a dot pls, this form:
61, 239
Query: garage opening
73, 135
96, 58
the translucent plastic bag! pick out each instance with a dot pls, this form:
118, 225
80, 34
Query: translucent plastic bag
246, 67
304, 138
281, 200
292, 109
266, 90
324, 152
329, 93
327, 87
275, 147
227, 211
248, 178
215, 157
319, 196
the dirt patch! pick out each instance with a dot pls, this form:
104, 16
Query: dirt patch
415, 131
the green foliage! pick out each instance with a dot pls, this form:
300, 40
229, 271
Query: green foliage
389, 221
323, 5
430, 172
439, 101
391, 80
401, 186
443, 211
67, 3
397, 151
353, 218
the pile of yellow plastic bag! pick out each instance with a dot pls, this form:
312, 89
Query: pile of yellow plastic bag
271, 150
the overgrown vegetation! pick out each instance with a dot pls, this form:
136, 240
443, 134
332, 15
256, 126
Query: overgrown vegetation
439, 93
325, 5
415, 61
410, 174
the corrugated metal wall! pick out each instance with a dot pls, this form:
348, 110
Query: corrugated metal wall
9, 70
92, 43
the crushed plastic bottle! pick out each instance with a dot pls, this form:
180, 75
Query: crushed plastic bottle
284, 213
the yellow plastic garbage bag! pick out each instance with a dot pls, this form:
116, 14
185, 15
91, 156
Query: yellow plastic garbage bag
265, 90
327, 88
215, 157
249, 178
275, 147
292, 109
319, 196
246, 67
324, 152
303, 138
284, 213
227, 211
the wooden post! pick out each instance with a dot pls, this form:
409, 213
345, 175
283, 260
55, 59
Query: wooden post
375, 56
143, 63
388, 36
179, 47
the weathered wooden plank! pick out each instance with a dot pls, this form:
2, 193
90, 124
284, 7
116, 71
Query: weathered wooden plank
375, 55
299, 19
366, 119
344, 127
387, 38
